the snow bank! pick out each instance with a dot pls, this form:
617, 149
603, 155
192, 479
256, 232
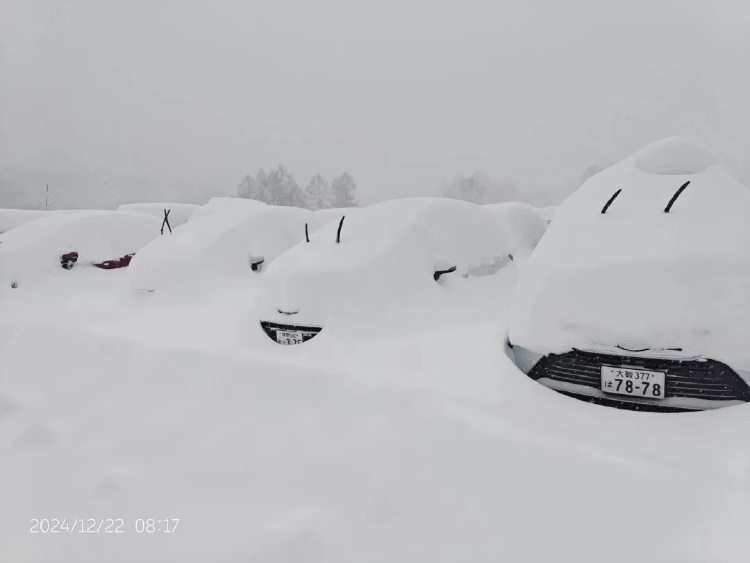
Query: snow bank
206, 251
179, 213
34, 248
636, 276
279, 460
523, 226
227, 205
385, 261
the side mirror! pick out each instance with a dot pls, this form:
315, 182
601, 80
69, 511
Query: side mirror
439, 273
256, 262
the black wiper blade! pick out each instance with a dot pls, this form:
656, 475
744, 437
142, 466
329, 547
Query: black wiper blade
614, 197
675, 196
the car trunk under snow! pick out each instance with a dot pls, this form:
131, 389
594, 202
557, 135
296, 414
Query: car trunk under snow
656, 291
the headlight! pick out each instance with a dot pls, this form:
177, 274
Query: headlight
525, 359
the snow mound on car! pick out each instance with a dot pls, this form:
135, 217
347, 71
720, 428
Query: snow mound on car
386, 259
237, 205
675, 156
639, 277
179, 213
523, 225
217, 246
11, 218
35, 247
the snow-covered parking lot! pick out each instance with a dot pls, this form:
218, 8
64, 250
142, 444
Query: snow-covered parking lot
413, 438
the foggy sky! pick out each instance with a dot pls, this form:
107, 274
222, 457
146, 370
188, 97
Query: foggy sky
400, 93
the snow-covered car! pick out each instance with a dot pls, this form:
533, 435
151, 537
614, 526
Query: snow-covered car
218, 246
384, 257
638, 296
524, 227
176, 213
62, 241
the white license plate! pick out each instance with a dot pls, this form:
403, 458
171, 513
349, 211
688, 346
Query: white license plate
633, 382
288, 337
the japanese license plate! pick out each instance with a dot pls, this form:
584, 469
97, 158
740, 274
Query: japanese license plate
288, 337
634, 382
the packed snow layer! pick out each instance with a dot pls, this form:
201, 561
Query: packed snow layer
205, 252
34, 248
386, 260
523, 225
179, 213
638, 277
227, 205
418, 441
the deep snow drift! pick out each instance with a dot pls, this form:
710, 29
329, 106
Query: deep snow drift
636, 276
414, 442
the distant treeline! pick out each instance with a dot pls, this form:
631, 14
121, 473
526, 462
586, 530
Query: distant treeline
278, 187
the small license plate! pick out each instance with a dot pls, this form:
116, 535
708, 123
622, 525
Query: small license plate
289, 337
634, 382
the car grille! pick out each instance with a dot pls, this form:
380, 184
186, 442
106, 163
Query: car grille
308, 332
695, 379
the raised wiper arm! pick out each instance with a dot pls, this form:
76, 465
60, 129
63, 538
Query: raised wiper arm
675, 196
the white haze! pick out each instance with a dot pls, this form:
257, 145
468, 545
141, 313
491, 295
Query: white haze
403, 94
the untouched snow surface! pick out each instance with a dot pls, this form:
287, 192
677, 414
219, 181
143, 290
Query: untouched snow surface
636, 276
179, 213
414, 441
220, 245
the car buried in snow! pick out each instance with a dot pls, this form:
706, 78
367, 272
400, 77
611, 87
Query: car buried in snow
221, 246
638, 296
383, 258
106, 240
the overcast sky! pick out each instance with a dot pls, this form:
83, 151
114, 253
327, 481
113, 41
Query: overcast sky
400, 93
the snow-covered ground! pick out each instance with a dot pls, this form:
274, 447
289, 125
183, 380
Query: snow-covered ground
413, 438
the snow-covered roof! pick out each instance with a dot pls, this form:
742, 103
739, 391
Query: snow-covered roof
228, 205
35, 247
10, 218
217, 245
637, 276
386, 257
179, 213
